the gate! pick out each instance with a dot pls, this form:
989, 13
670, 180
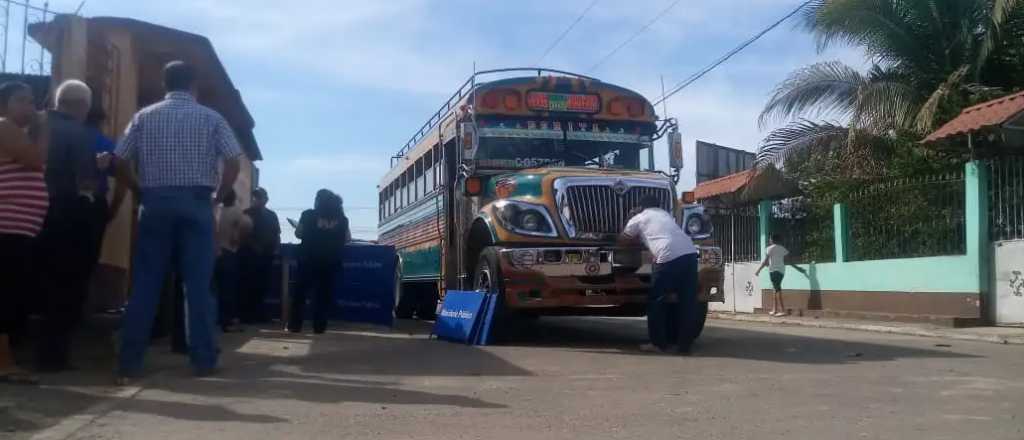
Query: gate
1007, 230
737, 232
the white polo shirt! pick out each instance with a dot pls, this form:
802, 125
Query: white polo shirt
660, 233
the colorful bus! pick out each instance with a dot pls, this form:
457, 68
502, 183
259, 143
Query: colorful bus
519, 185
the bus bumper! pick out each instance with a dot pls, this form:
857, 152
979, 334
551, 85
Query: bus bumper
588, 280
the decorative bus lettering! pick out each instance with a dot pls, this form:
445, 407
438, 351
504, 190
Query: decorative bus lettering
521, 163
563, 102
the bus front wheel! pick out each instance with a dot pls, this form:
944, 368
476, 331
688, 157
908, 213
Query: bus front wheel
487, 279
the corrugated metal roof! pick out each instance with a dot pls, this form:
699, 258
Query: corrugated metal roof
988, 114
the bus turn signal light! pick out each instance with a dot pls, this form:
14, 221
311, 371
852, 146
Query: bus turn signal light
689, 197
474, 186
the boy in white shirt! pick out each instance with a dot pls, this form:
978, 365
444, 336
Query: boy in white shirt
775, 261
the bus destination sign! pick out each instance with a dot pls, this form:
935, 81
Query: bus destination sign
563, 102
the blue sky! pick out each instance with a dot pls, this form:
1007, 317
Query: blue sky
337, 86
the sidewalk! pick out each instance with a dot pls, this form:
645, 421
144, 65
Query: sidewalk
997, 335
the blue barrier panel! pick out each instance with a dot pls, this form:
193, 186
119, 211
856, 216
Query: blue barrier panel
459, 316
366, 292
484, 336
363, 292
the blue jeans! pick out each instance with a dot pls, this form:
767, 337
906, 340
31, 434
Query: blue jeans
673, 322
178, 223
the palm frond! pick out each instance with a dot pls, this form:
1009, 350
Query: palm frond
1000, 13
887, 105
801, 137
926, 117
822, 89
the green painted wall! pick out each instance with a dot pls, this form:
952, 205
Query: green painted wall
934, 274
950, 274
421, 264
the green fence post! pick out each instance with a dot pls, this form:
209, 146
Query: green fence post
976, 226
841, 230
764, 218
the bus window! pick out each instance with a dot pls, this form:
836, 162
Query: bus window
407, 181
428, 170
647, 158
437, 166
401, 192
418, 180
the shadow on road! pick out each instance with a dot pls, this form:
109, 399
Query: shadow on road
623, 336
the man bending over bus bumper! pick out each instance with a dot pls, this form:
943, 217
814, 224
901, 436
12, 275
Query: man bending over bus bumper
675, 270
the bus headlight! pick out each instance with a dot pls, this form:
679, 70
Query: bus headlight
694, 225
698, 226
531, 221
525, 218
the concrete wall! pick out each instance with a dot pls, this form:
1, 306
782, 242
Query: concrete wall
926, 288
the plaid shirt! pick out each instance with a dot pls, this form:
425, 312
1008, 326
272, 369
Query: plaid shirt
178, 143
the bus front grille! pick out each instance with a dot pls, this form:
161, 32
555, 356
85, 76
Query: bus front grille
604, 209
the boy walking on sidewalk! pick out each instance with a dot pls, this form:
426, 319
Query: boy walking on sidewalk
775, 260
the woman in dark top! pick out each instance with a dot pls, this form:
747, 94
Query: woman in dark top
324, 232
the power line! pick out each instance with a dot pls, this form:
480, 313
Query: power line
700, 74
558, 40
633, 37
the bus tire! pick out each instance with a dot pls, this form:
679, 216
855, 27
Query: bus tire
487, 278
427, 296
404, 304
702, 318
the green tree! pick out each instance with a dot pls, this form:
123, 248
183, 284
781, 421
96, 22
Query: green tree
929, 59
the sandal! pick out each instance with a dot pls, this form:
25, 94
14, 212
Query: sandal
19, 378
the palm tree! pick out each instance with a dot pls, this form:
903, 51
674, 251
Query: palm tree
929, 59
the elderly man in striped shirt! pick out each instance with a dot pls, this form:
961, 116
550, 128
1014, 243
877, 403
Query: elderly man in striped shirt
180, 148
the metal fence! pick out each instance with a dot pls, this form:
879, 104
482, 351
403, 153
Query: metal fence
19, 53
906, 218
806, 230
1006, 199
737, 232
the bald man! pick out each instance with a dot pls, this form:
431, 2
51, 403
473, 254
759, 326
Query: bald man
65, 243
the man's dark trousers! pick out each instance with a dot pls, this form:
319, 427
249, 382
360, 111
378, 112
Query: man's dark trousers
256, 278
673, 322
67, 250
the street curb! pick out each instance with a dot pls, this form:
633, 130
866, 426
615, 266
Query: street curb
871, 327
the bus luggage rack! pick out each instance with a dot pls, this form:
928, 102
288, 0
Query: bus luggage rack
467, 87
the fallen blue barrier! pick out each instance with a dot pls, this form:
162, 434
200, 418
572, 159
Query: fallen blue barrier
461, 317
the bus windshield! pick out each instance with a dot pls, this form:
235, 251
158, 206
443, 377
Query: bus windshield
519, 153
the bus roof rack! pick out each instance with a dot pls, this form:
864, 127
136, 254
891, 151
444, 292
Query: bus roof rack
465, 90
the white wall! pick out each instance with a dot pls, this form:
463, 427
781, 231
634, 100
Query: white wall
742, 294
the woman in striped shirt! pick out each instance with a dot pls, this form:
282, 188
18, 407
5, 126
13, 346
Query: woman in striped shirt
23, 205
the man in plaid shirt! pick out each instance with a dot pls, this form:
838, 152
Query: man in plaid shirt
179, 147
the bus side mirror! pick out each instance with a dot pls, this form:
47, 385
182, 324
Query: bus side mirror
675, 150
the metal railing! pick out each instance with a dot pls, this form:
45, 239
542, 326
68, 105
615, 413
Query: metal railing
806, 230
464, 90
738, 233
26, 56
1006, 201
907, 218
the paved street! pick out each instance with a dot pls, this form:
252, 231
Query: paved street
567, 379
